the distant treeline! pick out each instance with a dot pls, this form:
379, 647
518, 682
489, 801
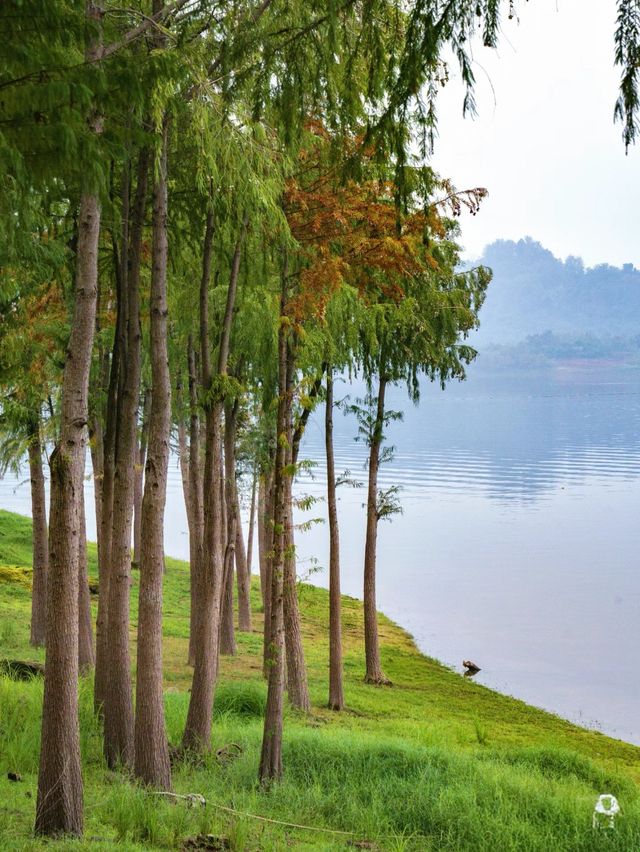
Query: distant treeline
558, 309
549, 349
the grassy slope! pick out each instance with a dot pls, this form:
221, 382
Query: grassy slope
435, 762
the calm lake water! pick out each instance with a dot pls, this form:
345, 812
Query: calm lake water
519, 543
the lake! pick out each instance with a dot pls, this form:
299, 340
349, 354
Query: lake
519, 542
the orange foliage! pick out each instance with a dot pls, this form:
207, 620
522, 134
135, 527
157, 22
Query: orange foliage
351, 232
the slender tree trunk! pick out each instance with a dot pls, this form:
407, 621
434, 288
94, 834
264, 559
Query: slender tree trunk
227, 548
196, 521
197, 733
40, 538
59, 808
118, 704
252, 520
198, 438
374, 673
151, 746
235, 541
243, 575
183, 458
336, 693
105, 529
96, 443
271, 755
86, 651
139, 479
263, 546
297, 685
267, 580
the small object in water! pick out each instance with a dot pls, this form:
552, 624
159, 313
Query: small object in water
14, 776
605, 811
471, 668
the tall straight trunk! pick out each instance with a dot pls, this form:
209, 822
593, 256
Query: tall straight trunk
105, 529
198, 438
227, 548
183, 460
59, 808
252, 521
151, 745
234, 525
243, 575
86, 651
263, 546
270, 769
196, 520
118, 703
374, 673
139, 479
336, 692
40, 535
96, 443
267, 580
297, 685
197, 732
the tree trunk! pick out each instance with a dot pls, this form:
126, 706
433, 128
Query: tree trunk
252, 520
336, 693
243, 575
227, 548
271, 755
183, 458
297, 685
197, 733
267, 580
374, 673
139, 479
59, 808
196, 521
118, 703
235, 541
151, 746
86, 652
263, 546
40, 535
105, 529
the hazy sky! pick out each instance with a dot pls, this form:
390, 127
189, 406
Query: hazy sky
544, 143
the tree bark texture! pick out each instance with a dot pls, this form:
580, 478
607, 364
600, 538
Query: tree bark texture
270, 769
40, 538
234, 526
196, 519
267, 579
151, 745
59, 808
197, 733
105, 529
336, 692
86, 650
252, 522
138, 481
374, 673
118, 703
243, 575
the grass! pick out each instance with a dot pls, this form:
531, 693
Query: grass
434, 762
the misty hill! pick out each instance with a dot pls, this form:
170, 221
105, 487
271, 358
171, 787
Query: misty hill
534, 292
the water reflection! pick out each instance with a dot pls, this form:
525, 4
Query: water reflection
518, 546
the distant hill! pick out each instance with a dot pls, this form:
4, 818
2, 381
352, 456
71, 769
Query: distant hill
533, 292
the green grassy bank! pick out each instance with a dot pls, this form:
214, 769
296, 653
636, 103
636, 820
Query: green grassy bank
434, 762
